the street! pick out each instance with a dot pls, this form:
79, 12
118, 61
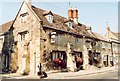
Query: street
105, 75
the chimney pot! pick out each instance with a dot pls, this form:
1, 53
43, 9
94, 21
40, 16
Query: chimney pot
75, 15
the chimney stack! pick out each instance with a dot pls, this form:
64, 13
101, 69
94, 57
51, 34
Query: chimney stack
73, 14
70, 13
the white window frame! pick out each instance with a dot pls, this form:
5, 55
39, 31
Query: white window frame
50, 18
70, 24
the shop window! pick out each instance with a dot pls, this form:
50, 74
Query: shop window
59, 59
56, 55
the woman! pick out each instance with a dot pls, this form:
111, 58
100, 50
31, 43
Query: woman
40, 70
41, 74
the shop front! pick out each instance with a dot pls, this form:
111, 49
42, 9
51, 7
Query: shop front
94, 58
58, 59
97, 59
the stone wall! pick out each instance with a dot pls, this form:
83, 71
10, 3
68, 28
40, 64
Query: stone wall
61, 44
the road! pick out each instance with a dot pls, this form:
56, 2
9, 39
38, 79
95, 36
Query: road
113, 74
105, 75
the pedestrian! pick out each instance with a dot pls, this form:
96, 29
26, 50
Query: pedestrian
40, 70
41, 74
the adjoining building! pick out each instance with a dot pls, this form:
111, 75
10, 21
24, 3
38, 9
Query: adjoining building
114, 38
5, 47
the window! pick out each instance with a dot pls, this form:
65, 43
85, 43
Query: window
23, 17
23, 35
50, 18
59, 38
103, 45
58, 55
70, 24
76, 40
109, 46
105, 58
97, 44
111, 58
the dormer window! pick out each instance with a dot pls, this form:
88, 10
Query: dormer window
49, 16
70, 24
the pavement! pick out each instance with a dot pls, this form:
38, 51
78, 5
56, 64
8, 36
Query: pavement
61, 75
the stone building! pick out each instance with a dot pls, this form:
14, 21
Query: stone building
104, 48
55, 41
114, 38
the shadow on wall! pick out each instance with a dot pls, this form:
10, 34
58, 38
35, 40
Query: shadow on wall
7, 51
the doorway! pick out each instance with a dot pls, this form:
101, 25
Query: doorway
105, 60
90, 59
79, 60
26, 60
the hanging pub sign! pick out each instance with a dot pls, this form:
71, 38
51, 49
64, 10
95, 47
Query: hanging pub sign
53, 37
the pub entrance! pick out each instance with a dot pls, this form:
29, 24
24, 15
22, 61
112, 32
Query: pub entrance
79, 60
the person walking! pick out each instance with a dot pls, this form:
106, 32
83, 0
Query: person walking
40, 70
41, 74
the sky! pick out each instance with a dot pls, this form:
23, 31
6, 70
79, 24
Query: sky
92, 13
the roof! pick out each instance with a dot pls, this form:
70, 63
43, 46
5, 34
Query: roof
117, 34
99, 36
5, 27
59, 23
47, 12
